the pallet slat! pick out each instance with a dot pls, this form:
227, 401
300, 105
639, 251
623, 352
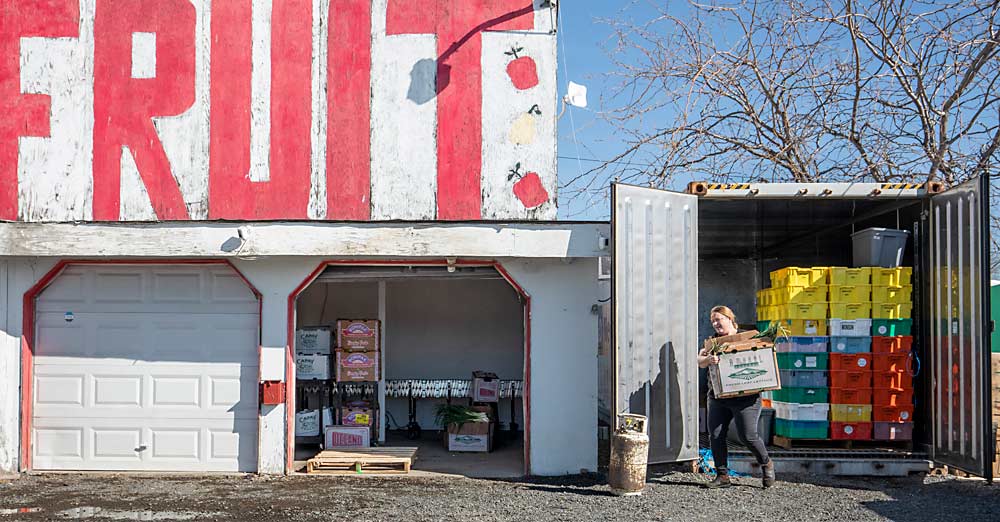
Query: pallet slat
361, 461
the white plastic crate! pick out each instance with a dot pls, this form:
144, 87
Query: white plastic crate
850, 327
819, 411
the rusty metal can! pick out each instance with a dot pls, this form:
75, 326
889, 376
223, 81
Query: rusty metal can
629, 456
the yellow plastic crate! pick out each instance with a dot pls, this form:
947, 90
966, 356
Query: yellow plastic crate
796, 276
850, 310
851, 294
892, 294
762, 297
892, 310
842, 276
802, 311
892, 276
851, 412
799, 294
766, 313
805, 327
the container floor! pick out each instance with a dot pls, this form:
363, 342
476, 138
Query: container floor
505, 461
835, 450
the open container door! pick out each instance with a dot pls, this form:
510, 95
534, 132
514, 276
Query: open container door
655, 325
956, 308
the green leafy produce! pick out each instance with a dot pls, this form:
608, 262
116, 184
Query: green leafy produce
773, 331
454, 414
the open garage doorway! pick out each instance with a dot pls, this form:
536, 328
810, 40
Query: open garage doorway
437, 324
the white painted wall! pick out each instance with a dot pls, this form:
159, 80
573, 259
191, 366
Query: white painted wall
563, 362
18, 275
274, 278
564, 354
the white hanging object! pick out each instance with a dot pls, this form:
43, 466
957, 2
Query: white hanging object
576, 95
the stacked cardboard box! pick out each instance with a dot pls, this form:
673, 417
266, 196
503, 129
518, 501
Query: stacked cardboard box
312, 354
358, 347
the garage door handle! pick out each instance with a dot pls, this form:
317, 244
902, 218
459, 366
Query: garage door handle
141, 448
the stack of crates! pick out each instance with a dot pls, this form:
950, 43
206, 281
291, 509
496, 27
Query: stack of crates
798, 299
850, 353
892, 323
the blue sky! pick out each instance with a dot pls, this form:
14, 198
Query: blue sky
584, 138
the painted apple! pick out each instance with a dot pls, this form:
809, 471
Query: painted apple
528, 188
522, 70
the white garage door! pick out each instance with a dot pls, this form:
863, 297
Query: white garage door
150, 368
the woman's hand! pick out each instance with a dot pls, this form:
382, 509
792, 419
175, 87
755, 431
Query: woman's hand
705, 359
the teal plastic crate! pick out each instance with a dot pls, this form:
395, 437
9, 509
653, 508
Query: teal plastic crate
891, 327
796, 429
850, 344
802, 394
803, 361
807, 378
801, 344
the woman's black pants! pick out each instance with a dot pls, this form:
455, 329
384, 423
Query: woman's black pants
746, 412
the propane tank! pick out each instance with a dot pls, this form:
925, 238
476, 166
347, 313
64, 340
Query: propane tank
629, 455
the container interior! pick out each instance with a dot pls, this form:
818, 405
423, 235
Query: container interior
741, 241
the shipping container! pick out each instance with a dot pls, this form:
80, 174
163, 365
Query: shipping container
742, 235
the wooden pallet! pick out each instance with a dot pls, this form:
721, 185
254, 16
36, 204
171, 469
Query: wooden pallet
788, 444
360, 461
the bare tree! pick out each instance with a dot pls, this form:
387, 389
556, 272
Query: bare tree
804, 90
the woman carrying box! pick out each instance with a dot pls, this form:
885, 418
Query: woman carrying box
744, 409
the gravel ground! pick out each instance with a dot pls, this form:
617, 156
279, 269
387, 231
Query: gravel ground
671, 496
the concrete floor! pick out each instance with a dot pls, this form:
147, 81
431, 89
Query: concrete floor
505, 461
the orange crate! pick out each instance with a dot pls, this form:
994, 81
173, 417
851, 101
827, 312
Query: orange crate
851, 430
892, 344
902, 413
889, 362
890, 397
898, 380
851, 361
850, 379
850, 395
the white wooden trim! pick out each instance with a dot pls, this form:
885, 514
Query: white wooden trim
332, 240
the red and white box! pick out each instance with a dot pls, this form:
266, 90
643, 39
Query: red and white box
347, 437
358, 335
357, 366
485, 387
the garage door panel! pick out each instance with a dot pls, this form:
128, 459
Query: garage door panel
178, 288
60, 339
229, 288
157, 370
59, 390
66, 289
117, 288
116, 443
176, 443
117, 391
59, 442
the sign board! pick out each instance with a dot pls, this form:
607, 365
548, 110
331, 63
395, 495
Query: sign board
356, 110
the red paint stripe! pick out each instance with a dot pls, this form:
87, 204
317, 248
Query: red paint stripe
124, 106
348, 141
231, 194
25, 114
28, 331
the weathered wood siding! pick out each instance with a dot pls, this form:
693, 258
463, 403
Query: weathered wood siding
361, 110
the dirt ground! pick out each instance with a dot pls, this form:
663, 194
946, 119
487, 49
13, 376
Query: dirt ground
671, 496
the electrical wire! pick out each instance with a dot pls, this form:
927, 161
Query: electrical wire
561, 36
